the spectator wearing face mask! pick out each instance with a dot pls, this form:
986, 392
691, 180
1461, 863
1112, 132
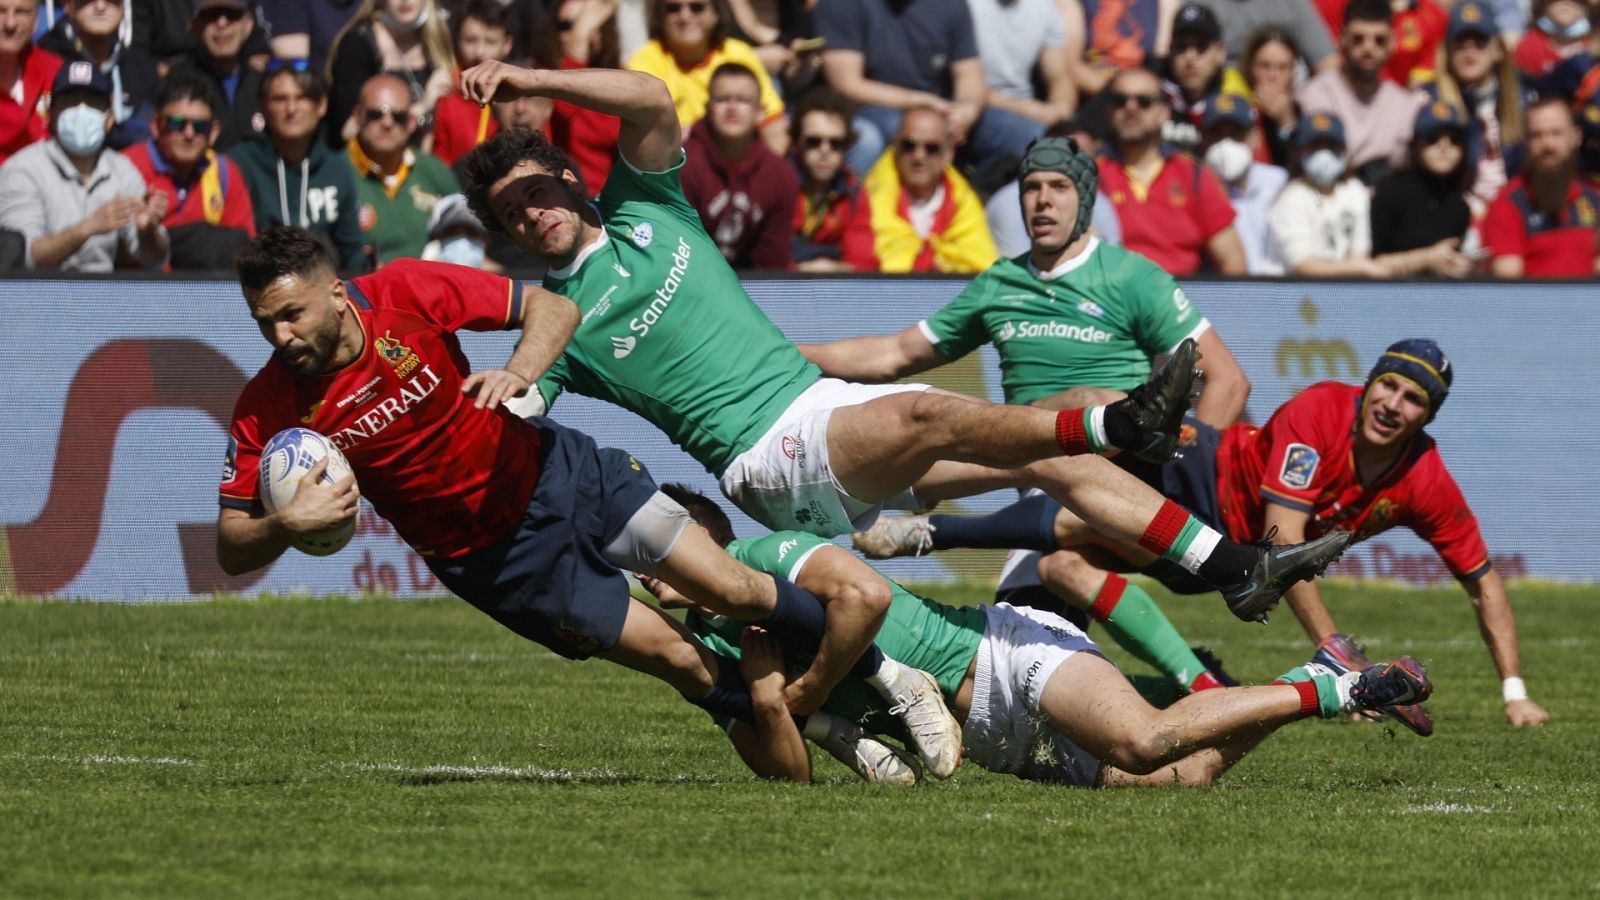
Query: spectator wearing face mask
1561, 31
1376, 113
1321, 223
1252, 186
456, 236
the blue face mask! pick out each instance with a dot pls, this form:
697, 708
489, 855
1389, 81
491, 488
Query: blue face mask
81, 130
1578, 29
463, 251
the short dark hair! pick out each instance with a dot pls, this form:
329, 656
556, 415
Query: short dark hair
279, 251
1368, 11
706, 513
181, 86
489, 162
822, 99
492, 13
733, 68
309, 80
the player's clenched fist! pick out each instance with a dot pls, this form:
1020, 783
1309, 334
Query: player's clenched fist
495, 80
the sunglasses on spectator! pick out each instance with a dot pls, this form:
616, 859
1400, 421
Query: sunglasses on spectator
294, 65
1143, 101
401, 117
932, 148
1454, 137
177, 124
217, 13
698, 7
818, 141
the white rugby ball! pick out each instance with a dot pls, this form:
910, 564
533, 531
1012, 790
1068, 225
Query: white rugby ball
285, 460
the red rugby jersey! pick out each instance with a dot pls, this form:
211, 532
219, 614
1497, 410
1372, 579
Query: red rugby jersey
1303, 458
450, 478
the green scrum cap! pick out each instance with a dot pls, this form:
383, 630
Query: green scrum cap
1063, 155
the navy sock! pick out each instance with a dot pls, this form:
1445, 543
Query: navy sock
798, 620
1028, 524
730, 696
867, 666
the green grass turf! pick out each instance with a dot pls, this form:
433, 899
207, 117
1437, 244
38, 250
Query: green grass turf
379, 748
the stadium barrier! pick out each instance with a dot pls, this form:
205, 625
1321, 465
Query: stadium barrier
117, 394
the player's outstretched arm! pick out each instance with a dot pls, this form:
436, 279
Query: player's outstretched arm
1304, 598
771, 746
875, 359
247, 542
548, 323
651, 137
1498, 625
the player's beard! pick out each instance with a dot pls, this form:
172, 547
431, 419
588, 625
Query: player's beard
318, 351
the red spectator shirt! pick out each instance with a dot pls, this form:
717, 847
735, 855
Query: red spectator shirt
1169, 220
588, 137
23, 123
1561, 246
450, 478
1304, 458
1418, 29
459, 125
189, 204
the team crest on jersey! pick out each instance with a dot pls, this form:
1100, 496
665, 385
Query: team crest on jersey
311, 413
1188, 435
230, 468
396, 354
1299, 466
642, 234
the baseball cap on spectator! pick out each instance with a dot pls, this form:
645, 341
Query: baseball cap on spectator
1199, 21
449, 213
1232, 108
80, 75
1320, 127
196, 7
1472, 17
1439, 116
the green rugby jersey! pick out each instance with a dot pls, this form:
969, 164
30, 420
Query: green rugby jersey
668, 331
1096, 324
941, 640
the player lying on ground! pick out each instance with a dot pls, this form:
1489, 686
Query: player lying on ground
524, 519
668, 332
1337, 456
1037, 698
1071, 317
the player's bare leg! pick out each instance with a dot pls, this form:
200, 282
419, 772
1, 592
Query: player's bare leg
658, 645
1198, 769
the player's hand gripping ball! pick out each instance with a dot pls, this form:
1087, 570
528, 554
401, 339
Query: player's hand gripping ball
284, 462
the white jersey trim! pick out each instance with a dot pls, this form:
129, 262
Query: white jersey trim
588, 250
794, 570
1201, 328
927, 332
1066, 265
682, 155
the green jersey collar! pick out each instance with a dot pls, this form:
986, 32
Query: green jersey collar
1066, 265
589, 249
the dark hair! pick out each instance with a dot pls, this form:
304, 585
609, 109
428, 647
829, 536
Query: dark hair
1465, 169
281, 250
181, 86
309, 80
492, 13
1262, 36
720, 32
1368, 11
733, 68
706, 513
491, 160
822, 99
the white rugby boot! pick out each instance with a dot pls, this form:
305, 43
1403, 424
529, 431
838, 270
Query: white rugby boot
867, 756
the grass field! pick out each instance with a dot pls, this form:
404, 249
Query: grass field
383, 748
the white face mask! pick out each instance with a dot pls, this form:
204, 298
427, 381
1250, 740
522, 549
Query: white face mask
390, 23
1324, 167
1230, 159
462, 250
81, 129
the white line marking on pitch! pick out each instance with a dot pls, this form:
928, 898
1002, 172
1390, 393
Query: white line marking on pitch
533, 772
1440, 806
96, 759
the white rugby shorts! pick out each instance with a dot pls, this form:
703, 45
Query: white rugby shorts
1005, 731
785, 481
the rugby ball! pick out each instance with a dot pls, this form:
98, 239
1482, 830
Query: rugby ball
284, 462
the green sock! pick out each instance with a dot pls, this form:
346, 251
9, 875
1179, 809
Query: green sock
1139, 626
1327, 684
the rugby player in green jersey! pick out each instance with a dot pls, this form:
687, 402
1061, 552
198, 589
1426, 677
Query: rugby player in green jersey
666, 330
1074, 321
1037, 698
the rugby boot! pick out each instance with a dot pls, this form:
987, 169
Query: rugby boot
866, 755
1401, 682
935, 734
1278, 567
893, 536
1155, 409
1341, 654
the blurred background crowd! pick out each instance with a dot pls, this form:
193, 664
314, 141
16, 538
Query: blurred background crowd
1335, 138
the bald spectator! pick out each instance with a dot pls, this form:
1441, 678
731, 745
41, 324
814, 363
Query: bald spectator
1543, 224
917, 213
91, 32
1171, 209
744, 192
221, 28
26, 73
1377, 113
396, 184
80, 206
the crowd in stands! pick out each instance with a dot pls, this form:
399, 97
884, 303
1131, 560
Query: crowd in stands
1331, 138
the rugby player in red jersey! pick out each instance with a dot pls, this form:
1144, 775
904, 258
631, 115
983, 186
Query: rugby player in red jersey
529, 521
1337, 456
